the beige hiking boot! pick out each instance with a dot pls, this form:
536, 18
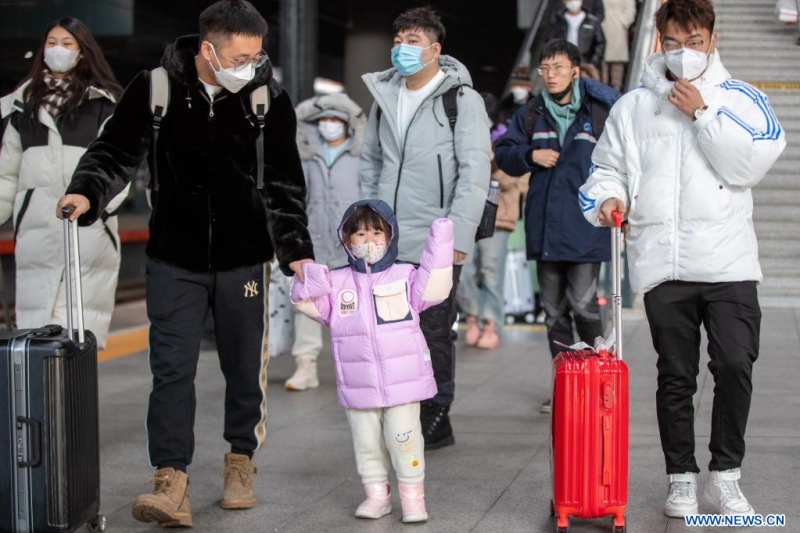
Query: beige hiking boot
169, 502
238, 490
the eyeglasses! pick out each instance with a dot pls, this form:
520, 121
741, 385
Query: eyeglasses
241, 64
555, 69
670, 45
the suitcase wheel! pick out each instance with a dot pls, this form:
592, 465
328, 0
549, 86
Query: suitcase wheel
562, 529
98, 524
620, 529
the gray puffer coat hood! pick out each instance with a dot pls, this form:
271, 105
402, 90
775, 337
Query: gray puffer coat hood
340, 105
329, 190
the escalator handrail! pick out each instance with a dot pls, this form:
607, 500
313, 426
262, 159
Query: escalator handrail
646, 42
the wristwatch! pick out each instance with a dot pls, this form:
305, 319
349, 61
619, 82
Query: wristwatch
699, 112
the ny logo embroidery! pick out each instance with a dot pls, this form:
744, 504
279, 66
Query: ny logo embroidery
250, 289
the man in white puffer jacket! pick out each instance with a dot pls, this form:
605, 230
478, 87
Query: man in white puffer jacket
679, 156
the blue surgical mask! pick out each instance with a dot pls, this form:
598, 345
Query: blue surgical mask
407, 58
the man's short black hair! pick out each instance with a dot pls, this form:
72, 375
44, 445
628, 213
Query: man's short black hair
686, 15
226, 18
555, 47
423, 18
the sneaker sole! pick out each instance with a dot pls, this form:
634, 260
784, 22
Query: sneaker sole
374, 516
449, 441
295, 388
151, 513
679, 513
415, 518
712, 501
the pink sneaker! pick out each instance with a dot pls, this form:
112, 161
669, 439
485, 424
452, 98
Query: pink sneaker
378, 502
412, 500
489, 338
473, 331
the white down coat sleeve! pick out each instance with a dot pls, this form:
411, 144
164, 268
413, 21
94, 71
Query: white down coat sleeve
608, 178
10, 162
740, 135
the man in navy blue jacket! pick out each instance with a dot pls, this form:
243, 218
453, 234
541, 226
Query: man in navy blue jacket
553, 137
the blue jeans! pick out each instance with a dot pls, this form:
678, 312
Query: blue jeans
481, 290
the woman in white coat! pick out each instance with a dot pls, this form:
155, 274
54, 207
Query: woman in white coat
50, 119
620, 15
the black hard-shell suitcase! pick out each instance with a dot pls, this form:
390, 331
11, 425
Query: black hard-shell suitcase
49, 442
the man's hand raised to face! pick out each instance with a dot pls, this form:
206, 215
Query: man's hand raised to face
686, 97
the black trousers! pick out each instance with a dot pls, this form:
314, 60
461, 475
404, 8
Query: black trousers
436, 324
732, 319
569, 293
177, 304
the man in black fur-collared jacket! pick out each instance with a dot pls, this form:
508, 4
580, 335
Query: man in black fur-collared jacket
212, 232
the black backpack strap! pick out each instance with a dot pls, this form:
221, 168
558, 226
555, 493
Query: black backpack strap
599, 116
450, 103
530, 117
378, 113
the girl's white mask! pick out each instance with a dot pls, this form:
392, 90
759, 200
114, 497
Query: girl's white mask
371, 252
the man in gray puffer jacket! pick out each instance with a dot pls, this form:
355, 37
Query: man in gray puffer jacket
330, 130
423, 167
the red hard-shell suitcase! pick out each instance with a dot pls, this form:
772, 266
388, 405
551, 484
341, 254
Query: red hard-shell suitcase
49, 431
590, 425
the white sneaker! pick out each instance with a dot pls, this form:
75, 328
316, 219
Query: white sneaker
305, 377
723, 492
682, 497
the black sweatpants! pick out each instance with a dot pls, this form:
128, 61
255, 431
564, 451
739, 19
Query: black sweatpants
177, 303
436, 324
732, 318
569, 293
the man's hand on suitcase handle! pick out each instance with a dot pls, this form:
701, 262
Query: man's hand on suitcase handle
608, 207
79, 202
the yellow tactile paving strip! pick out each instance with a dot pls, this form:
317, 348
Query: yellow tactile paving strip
124, 343
135, 340
776, 85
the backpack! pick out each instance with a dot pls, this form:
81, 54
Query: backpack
159, 102
599, 117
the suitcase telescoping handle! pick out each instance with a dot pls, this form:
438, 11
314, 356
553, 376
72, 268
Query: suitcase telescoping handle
72, 251
616, 282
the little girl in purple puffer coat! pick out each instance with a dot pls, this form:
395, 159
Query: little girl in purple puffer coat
383, 366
